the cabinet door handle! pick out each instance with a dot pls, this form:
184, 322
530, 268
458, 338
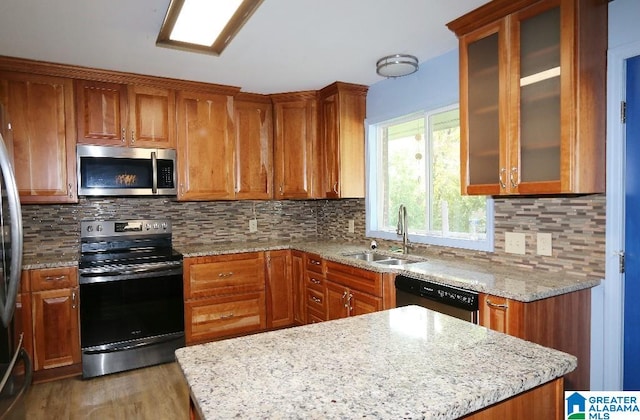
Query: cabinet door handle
500, 180
314, 280
70, 190
123, 136
335, 187
74, 304
55, 278
513, 176
315, 262
227, 316
229, 274
316, 299
349, 303
133, 136
344, 296
502, 306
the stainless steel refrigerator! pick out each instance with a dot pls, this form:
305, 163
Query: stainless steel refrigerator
15, 365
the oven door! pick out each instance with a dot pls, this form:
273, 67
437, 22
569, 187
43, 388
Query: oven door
113, 313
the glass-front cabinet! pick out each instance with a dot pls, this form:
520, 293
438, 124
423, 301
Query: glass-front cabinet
532, 97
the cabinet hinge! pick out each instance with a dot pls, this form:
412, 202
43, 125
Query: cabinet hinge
621, 261
623, 112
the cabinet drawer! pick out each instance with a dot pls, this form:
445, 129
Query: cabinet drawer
316, 300
314, 262
207, 319
314, 281
224, 275
314, 317
53, 278
355, 278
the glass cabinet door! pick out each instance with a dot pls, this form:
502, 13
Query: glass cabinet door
482, 137
538, 88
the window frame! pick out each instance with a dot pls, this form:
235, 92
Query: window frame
373, 161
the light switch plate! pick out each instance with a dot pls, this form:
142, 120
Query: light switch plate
514, 243
543, 244
253, 225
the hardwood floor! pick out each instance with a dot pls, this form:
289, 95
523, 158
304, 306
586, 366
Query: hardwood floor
157, 392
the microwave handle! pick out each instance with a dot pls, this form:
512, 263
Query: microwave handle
154, 173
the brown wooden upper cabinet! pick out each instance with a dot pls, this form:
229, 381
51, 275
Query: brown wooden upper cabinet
113, 114
205, 146
253, 119
296, 155
342, 113
532, 97
38, 126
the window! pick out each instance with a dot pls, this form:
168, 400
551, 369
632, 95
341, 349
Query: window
415, 161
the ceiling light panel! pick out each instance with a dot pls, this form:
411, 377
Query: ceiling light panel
204, 25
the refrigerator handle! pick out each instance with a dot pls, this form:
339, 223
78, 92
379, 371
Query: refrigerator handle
8, 301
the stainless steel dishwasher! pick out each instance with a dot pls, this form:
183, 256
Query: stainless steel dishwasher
459, 303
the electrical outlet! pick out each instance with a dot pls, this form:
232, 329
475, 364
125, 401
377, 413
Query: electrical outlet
543, 244
514, 243
352, 226
253, 225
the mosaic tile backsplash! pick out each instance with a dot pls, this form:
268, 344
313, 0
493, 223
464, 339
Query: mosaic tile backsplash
577, 225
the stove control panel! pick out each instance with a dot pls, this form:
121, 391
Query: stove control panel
96, 229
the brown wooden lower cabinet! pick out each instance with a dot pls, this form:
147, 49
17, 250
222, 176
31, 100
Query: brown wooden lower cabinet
224, 296
352, 291
343, 302
54, 303
279, 289
215, 317
299, 287
55, 328
543, 402
561, 322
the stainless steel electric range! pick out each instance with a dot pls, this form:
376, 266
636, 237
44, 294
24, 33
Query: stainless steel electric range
131, 299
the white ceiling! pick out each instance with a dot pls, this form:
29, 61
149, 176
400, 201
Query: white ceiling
287, 45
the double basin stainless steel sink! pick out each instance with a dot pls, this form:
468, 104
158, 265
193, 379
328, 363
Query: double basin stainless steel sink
378, 258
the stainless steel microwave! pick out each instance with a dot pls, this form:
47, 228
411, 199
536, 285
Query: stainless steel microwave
122, 171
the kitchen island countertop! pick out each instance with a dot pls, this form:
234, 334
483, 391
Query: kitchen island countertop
407, 362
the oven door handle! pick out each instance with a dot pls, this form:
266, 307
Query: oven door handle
131, 346
88, 278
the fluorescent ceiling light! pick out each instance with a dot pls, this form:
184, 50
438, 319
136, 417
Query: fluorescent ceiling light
204, 25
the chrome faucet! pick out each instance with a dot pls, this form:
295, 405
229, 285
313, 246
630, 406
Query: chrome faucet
402, 228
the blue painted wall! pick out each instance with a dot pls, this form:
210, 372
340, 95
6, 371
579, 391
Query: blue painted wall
434, 85
623, 22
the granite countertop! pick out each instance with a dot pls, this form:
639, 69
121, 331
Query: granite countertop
525, 285
408, 362
517, 283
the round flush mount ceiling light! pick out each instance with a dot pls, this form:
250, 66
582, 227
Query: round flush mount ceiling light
397, 65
